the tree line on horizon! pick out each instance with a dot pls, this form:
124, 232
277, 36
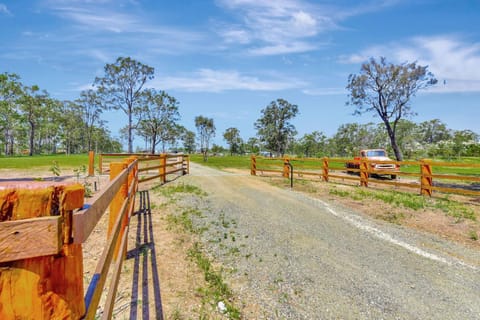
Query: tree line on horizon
31, 122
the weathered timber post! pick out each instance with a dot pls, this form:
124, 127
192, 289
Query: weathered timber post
325, 169
184, 164
100, 164
115, 206
41, 270
286, 168
426, 181
163, 168
253, 165
91, 163
364, 173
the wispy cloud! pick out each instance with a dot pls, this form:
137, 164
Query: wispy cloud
452, 59
4, 10
287, 26
273, 25
99, 20
208, 80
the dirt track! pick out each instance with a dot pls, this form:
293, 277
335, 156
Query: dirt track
296, 257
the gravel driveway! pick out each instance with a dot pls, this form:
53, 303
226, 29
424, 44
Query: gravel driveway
287, 255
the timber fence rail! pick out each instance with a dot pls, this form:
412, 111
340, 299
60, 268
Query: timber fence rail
151, 166
42, 230
426, 176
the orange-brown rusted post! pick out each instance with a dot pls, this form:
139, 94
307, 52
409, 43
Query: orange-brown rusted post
364, 173
115, 169
325, 169
163, 168
286, 168
100, 164
91, 163
48, 286
253, 165
426, 181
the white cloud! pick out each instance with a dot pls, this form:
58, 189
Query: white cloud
325, 91
208, 80
274, 25
4, 9
454, 61
98, 19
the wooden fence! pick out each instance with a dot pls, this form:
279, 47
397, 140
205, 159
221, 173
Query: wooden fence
41, 237
151, 166
420, 175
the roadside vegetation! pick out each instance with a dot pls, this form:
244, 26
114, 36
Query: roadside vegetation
216, 296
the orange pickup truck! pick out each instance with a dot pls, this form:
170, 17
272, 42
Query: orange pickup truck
373, 155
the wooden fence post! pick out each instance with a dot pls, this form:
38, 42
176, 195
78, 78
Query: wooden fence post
115, 169
185, 164
100, 164
426, 181
163, 168
325, 169
43, 287
253, 165
91, 163
364, 173
286, 168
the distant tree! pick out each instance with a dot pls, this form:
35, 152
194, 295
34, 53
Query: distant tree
188, 138
10, 92
312, 144
159, 118
232, 137
350, 138
217, 149
33, 104
91, 106
462, 140
386, 89
206, 130
274, 127
122, 88
253, 145
433, 131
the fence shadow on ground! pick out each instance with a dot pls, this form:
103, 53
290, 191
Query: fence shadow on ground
143, 254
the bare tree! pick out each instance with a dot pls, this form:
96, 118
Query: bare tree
386, 89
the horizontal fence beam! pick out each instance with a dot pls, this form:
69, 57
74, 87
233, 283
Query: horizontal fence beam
30, 238
84, 221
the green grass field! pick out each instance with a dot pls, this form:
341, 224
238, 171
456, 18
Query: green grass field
63, 161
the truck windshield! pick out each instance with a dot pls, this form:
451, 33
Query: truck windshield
376, 153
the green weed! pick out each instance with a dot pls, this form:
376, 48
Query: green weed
472, 234
217, 289
170, 190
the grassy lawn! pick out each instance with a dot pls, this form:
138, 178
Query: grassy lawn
63, 161
240, 162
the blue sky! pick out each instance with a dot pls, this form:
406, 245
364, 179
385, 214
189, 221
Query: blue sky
228, 59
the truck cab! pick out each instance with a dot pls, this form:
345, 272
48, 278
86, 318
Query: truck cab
378, 168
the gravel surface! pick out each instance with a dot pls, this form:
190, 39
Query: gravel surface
287, 255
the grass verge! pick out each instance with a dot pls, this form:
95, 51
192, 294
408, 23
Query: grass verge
410, 201
216, 294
